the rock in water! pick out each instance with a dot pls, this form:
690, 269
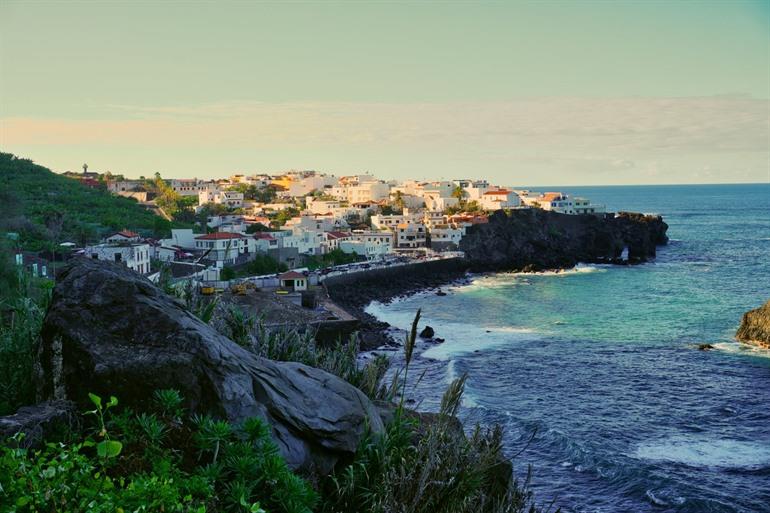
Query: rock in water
427, 332
755, 327
112, 332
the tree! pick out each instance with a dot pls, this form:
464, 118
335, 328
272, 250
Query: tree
459, 193
54, 221
227, 274
398, 200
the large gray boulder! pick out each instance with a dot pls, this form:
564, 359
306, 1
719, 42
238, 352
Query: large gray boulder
112, 332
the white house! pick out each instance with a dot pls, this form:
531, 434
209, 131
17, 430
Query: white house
232, 199
122, 237
222, 247
372, 245
185, 186
293, 280
391, 221
500, 198
265, 242
410, 235
584, 206
445, 237
135, 256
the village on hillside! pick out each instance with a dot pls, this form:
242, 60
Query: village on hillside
307, 221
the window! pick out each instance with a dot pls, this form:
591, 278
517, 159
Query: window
118, 257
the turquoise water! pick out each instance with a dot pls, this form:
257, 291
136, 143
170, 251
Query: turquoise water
600, 361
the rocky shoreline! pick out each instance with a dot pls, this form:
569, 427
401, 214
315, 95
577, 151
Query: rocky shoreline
400, 282
528, 240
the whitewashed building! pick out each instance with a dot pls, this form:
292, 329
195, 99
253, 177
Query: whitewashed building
134, 255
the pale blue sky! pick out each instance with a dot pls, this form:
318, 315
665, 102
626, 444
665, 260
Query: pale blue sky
518, 92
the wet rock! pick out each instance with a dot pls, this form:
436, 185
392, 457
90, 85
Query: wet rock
427, 332
755, 327
112, 332
705, 347
440, 293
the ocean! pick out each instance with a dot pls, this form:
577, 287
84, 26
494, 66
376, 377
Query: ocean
594, 372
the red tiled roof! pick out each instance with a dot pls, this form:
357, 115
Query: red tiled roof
126, 233
550, 196
337, 235
501, 191
264, 236
220, 236
291, 275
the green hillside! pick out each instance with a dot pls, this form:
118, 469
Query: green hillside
46, 208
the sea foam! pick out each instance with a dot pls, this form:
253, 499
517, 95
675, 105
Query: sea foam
708, 452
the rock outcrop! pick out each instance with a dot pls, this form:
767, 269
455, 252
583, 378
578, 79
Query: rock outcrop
112, 332
755, 327
427, 332
40, 423
534, 240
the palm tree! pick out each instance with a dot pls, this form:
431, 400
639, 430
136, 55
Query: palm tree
459, 193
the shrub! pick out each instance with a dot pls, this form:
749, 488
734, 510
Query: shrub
427, 464
289, 344
22, 308
168, 462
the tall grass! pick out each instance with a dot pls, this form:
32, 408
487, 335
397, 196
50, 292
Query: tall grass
23, 302
426, 463
290, 344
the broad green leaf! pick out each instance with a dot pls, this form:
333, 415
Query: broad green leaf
95, 399
113, 401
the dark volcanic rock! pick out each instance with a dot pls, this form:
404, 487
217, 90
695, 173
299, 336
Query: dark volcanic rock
534, 239
427, 332
45, 422
112, 332
755, 327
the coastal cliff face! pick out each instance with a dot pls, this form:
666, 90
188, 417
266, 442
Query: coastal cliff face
534, 240
755, 327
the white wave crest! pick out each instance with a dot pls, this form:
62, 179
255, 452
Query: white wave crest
707, 452
743, 349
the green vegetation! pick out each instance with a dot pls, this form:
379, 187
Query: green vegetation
427, 466
333, 257
471, 207
179, 208
46, 208
254, 193
284, 215
288, 344
165, 459
161, 460
23, 301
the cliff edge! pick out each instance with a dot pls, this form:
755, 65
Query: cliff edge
755, 327
535, 240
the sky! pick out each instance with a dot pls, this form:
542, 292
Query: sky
520, 93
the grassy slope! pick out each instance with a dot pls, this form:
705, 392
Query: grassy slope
30, 191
